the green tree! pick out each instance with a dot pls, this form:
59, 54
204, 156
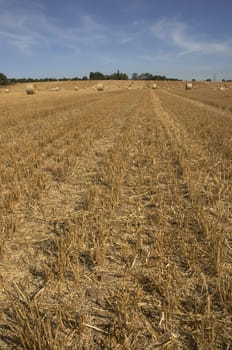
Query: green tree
119, 76
96, 76
134, 76
3, 79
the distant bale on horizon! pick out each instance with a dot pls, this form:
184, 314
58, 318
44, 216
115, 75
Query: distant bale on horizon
100, 87
188, 86
154, 86
57, 88
30, 89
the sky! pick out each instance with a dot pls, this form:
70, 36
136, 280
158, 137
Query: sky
182, 39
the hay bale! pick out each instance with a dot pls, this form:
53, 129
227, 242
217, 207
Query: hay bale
54, 88
7, 91
76, 88
188, 86
154, 86
30, 89
100, 87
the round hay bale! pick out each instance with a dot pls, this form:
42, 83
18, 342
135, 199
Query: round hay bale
100, 87
30, 89
7, 91
76, 88
188, 86
154, 86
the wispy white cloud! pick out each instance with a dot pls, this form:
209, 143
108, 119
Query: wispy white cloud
28, 31
156, 57
125, 38
132, 33
180, 35
86, 32
23, 42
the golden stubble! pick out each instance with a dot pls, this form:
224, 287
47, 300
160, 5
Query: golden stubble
115, 221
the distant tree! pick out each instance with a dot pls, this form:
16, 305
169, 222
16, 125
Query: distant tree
12, 81
145, 76
149, 76
208, 79
115, 76
119, 76
193, 79
96, 76
84, 77
159, 77
134, 76
3, 79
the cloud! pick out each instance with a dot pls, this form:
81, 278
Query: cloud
87, 32
179, 34
22, 42
156, 57
29, 29
125, 39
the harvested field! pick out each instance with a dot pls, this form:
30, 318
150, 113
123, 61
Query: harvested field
115, 220
215, 98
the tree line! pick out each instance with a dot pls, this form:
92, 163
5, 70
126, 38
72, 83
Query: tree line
93, 76
149, 76
115, 76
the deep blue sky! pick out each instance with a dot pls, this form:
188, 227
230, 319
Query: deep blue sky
56, 38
